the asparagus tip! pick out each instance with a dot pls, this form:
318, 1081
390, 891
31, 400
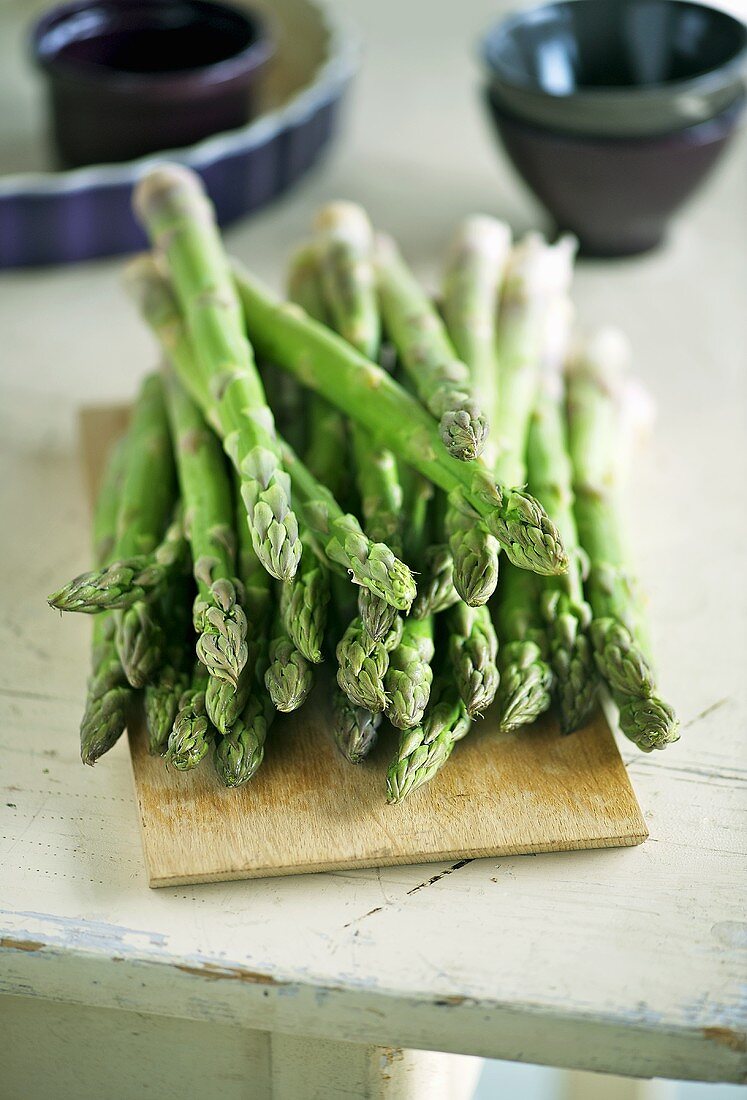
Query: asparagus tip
464, 432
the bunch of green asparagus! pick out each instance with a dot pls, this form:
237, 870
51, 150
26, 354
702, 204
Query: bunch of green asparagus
465, 445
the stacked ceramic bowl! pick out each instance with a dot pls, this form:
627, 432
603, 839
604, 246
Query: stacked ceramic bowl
613, 111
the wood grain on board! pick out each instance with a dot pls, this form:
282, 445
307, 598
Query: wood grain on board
307, 809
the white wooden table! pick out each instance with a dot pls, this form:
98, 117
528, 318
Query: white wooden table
629, 961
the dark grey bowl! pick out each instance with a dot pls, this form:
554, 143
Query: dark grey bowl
616, 68
615, 194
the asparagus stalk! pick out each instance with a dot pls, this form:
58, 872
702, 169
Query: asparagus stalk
327, 364
345, 251
327, 435
177, 215
473, 651
436, 591
424, 750
239, 753
146, 501
345, 238
474, 553
303, 605
363, 662
218, 616
192, 733
289, 677
409, 676
475, 268
597, 393
109, 694
225, 702
537, 275
120, 584
370, 564
381, 504
566, 613
161, 701
161, 698
354, 728
288, 401
525, 676
140, 642
440, 379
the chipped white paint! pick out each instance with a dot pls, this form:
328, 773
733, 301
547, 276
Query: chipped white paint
629, 961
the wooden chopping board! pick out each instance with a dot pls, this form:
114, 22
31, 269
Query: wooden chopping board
307, 809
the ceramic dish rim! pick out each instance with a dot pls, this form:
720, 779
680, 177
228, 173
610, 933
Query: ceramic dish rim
335, 70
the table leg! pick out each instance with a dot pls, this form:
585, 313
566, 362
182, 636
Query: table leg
312, 1069
602, 1086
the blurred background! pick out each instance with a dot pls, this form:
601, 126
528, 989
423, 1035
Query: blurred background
413, 143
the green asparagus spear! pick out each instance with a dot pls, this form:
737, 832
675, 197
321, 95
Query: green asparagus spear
472, 283
172, 206
146, 502
239, 752
473, 277
597, 393
647, 720
109, 694
409, 676
370, 564
562, 602
525, 676
473, 651
345, 241
140, 642
161, 701
327, 364
381, 504
440, 379
161, 697
424, 750
345, 252
537, 274
192, 734
225, 702
354, 728
436, 591
363, 662
219, 618
327, 437
120, 584
474, 553
289, 677
303, 605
